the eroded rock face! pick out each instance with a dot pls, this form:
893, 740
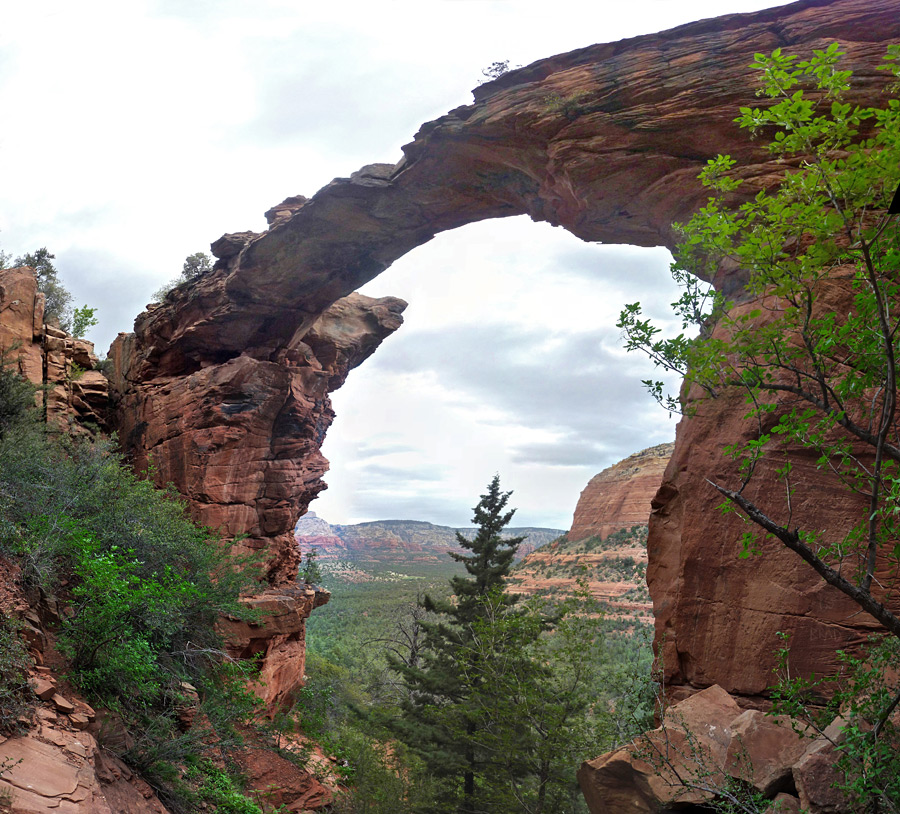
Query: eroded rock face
240, 437
279, 638
73, 394
619, 497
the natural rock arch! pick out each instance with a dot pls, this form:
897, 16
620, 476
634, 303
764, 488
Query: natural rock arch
225, 385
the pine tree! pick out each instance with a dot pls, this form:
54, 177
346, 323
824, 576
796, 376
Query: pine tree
442, 711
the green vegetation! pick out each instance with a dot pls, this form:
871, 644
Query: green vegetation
195, 265
866, 693
136, 589
539, 684
16, 699
310, 572
83, 319
815, 358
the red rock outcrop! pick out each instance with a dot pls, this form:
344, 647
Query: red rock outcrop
239, 435
707, 741
619, 497
279, 638
73, 393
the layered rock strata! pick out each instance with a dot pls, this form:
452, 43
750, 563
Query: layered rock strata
72, 392
619, 497
239, 434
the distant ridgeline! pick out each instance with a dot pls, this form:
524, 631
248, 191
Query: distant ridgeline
358, 551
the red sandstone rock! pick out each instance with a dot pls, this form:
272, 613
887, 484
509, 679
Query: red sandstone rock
619, 497
58, 770
816, 775
44, 687
762, 751
279, 638
784, 804
276, 781
706, 742
644, 777
48, 357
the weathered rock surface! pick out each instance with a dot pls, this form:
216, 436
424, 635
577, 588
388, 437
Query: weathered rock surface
619, 497
73, 394
706, 743
279, 638
57, 768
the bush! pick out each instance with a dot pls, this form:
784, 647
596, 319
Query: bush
15, 691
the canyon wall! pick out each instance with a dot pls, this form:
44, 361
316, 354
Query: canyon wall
224, 385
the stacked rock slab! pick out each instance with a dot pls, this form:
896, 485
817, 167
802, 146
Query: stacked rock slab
706, 743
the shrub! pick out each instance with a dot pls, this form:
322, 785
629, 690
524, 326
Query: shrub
15, 691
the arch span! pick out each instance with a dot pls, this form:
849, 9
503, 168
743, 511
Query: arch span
226, 383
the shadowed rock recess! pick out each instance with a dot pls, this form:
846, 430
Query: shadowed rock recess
224, 386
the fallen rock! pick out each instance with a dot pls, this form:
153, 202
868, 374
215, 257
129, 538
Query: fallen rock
44, 687
762, 751
62, 704
707, 743
692, 744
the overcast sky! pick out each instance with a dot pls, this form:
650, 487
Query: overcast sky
135, 132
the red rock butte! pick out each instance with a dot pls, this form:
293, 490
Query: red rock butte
224, 386
620, 496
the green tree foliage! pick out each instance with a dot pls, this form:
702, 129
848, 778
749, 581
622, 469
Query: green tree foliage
83, 319
813, 378
195, 265
440, 717
310, 572
57, 299
500, 697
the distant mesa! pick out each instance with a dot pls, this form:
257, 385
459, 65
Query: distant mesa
607, 544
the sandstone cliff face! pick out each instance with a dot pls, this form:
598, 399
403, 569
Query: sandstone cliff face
74, 395
225, 384
619, 497
239, 435
607, 542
